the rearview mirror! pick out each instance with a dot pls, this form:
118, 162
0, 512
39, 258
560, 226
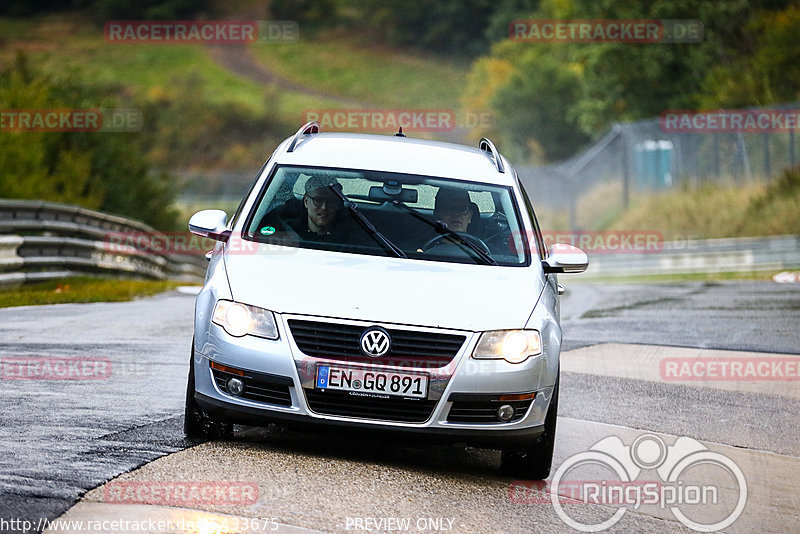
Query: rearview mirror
405, 195
564, 258
210, 223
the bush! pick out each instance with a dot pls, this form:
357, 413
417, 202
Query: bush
776, 211
99, 170
192, 133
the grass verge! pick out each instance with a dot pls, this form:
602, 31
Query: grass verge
720, 210
341, 65
83, 289
329, 63
765, 276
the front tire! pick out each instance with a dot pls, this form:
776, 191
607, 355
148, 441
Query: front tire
196, 423
532, 461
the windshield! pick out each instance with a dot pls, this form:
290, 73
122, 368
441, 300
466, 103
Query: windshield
389, 214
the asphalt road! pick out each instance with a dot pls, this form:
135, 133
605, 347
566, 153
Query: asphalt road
757, 316
61, 438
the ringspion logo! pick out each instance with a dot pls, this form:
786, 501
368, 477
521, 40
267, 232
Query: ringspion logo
648, 472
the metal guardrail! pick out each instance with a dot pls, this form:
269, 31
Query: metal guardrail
46, 240
747, 254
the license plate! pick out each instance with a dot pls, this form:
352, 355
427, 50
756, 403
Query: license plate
377, 382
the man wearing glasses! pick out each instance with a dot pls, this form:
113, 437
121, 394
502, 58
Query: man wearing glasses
324, 219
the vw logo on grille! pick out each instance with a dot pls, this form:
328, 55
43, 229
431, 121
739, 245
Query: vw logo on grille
375, 342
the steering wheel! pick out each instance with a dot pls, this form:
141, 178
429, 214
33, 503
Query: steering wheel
436, 241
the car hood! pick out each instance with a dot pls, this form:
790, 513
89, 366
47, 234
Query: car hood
383, 289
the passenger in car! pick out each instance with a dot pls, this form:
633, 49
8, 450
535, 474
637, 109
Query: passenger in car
454, 208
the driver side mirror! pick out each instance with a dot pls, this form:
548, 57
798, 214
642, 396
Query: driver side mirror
210, 223
564, 258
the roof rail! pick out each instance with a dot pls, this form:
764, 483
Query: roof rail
488, 146
311, 127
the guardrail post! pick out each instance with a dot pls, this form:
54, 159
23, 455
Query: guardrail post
626, 177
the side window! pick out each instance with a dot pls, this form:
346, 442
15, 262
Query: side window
540, 245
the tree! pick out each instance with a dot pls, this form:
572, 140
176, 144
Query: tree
94, 169
765, 74
456, 28
747, 56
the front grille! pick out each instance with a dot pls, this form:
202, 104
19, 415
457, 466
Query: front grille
345, 404
410, 348
483, 409
258, 387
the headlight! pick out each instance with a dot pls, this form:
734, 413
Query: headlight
240, 319
513, 346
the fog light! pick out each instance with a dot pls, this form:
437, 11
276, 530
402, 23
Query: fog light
505, 412
235, 387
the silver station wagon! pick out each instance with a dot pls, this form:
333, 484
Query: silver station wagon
383, 282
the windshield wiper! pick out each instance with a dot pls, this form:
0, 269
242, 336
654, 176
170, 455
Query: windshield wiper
368, 226
442, 228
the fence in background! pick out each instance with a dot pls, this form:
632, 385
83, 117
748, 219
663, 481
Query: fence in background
734, 255
647, 157
45, 240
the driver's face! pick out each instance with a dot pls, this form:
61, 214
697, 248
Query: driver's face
456, 216
322, 207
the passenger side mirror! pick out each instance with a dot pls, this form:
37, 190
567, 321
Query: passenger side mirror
210, 223
564, 258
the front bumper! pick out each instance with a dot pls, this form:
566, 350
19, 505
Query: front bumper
483, 437
282, 362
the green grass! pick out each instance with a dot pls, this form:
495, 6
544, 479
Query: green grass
146, 70
83, 289
669, 278
719, 210
341, 67
705, 213
15, 28
344, 66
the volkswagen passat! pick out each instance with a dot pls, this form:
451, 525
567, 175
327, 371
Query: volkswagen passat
383, 282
